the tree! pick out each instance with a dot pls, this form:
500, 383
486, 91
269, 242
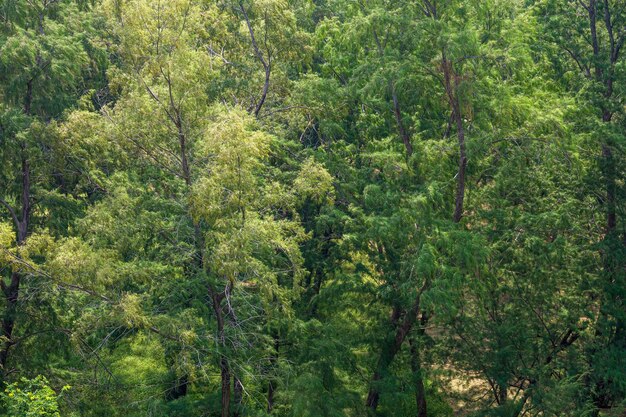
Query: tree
588, 38
45, 60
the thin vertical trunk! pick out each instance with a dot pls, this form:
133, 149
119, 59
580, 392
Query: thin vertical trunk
28, 99
389, 352
224, 365
606, 78
183, 152
237, 396
267, 63
215, 296
404, 134
270, 396
406, 138
392, 346
451, 86
237, 384
11, 294
175, 116
607, 155
225, 376
420, 391
22, 229
503, 393
179, 389
592, 9
11, 291
609, 173
460, 180
266, 87
373, 396
182, 383
271, 386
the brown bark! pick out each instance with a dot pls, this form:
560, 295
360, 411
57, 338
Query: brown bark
385, 359
175, 116
503, 393
237, 396
406, 138
592, 9
267, 63
270, 396
183, 151
605, 75
28, 99
179, 388
606, 78
271, 385
216, 297
11, 291
224, 365
397, 112
609, 173
420, 391
225, 376
392, 346
266, 87
225, 369
451, 86
11, 294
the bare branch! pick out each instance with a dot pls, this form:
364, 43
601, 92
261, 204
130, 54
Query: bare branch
156, 98
583, 4
11, 211
609, 27
267, 66
618, 46
578, 62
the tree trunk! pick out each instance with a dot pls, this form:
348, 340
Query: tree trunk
183, 155
179, 389
460, 179
225, 374
224, 365
451, 86
11, 292
28, 99
608, 166
605, 75
420, 391
271, 384
391, 347
373, 395
503, 393
266, 87
592, 9
404, 135
267, 63
237, 396
270, 396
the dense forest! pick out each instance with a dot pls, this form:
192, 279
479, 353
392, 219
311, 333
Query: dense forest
312, 208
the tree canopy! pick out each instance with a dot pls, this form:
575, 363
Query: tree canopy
324, 208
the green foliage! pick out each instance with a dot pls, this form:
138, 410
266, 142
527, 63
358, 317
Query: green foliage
253, 199
31, 397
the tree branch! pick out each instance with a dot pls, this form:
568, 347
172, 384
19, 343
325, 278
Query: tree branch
267, 65
11, 211
609, 27
576, 59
